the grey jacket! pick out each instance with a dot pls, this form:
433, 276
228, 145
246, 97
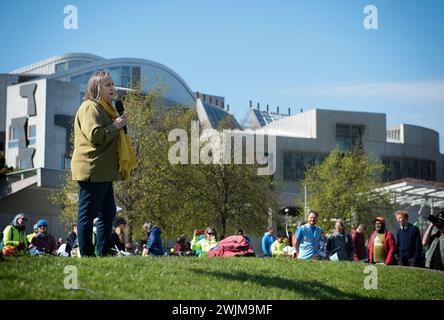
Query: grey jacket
344, 242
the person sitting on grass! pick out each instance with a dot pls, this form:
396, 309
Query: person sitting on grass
241, 232
182, 247
32, 235
153, 240
43, 243
15, 242
206, 244
118, 235
280, 247
267, 241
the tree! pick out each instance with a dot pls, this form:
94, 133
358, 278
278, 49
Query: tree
66, 197
343, 186
178, 197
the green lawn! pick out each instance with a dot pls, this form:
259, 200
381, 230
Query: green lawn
210, 278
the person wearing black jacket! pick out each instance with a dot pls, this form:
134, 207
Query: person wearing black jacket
72, 241
408, 242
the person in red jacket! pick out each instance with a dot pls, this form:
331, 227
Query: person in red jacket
381, 246
359, 242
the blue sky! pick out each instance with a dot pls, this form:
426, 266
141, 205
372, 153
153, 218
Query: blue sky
298, 54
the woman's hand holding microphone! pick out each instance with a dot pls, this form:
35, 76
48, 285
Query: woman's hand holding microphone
120, 122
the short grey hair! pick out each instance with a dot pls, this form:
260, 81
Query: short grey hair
341, 222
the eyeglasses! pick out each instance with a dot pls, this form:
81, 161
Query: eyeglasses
210, 234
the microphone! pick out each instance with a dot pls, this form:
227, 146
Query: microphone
120, 110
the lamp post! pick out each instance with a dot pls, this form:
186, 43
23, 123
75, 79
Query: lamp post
286, 220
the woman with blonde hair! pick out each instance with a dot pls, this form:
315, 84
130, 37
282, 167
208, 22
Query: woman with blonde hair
102, 154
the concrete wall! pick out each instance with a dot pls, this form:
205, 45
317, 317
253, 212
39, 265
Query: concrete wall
51, 97
5, 81
62, 98
34, 203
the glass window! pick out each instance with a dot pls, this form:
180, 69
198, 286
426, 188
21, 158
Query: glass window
296, 163
116, 75
13, 144
126, 77
14, 134
75, 63
65, 162
77, 79
24, 164
136, 75
32, 134
348, 137
88, 75
60, 67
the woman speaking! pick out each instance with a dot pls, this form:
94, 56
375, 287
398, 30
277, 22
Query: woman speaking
102, 154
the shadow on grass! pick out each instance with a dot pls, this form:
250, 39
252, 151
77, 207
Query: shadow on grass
308, 289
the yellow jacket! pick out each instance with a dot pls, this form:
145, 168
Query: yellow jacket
277, 249
95, 156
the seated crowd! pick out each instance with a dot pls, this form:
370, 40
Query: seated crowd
405, 248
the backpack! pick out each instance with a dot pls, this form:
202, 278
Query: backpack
232, 246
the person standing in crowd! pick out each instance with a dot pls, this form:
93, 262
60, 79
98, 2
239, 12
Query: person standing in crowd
408, 242
381, 246
43, 242
433, 239
308, 239
358, 237
102, 154
267, 240
118, 234
14, 237
206, 244
154, 240
342, 240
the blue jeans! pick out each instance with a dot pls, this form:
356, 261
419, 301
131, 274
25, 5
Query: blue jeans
96, 200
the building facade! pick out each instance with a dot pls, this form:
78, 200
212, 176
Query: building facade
306, 138
37, 105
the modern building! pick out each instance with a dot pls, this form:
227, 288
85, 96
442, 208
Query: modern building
306, 138
37, 105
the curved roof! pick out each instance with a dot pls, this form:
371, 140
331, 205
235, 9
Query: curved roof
95, 62
53, 60
105, 63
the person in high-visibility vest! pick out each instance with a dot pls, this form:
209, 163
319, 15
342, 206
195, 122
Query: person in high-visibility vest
32, 235
14, 237
206, 244
308, 239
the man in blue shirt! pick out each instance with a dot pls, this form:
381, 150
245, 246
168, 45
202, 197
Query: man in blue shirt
267, 241
308, 238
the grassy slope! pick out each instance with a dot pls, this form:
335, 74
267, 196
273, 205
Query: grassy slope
215, 278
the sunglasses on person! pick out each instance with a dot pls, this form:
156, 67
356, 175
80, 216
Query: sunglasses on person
210, 234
